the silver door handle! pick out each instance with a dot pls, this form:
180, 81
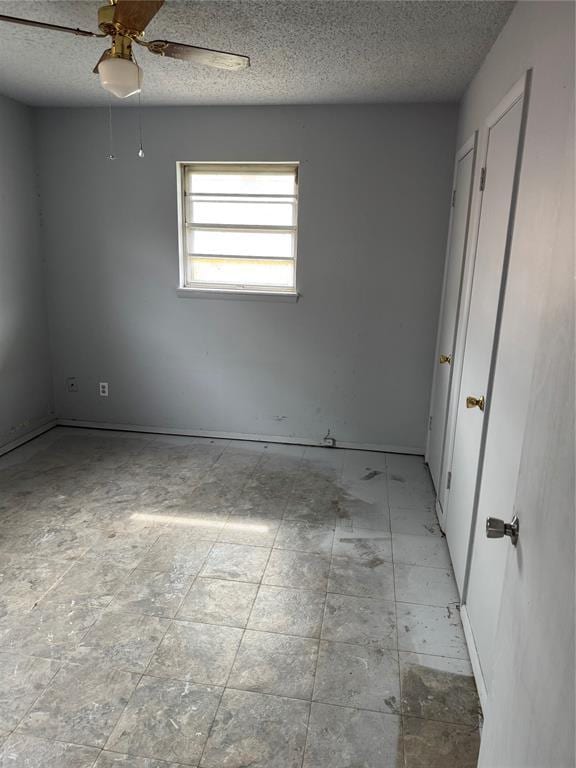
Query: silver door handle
496, 529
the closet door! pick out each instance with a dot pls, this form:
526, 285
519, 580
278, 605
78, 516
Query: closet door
498, 180
513, 363
453, 271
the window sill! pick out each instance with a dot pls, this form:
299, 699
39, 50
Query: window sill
209, 293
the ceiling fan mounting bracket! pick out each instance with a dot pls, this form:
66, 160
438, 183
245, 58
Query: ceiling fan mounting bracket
106, 19
109, 26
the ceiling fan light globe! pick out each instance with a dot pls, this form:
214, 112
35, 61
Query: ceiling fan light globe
120, 77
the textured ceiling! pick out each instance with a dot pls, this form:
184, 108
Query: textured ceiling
302, 51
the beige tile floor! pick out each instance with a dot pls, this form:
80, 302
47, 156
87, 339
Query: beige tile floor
183, 602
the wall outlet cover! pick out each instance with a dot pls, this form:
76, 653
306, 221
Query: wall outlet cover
72, 384
103, 389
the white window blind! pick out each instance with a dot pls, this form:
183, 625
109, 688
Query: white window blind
239, 226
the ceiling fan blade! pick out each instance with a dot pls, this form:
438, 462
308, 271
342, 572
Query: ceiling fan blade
105, 55
136, 14
44, 25
206, 56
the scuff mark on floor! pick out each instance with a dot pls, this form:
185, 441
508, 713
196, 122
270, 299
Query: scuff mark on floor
371, 474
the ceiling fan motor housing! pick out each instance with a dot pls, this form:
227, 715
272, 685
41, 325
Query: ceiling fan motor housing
121, 48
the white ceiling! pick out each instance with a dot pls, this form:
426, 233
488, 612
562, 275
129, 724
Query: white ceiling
302, 51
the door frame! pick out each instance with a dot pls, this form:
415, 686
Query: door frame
520, 89
470, 145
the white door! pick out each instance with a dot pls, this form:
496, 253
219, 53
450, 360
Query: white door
509, 397
531, 707
453, 270
498, 178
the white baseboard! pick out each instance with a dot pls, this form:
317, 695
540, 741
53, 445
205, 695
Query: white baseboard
474, 658
236, 436
27, 436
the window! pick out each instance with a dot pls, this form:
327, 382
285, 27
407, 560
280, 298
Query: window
238, 227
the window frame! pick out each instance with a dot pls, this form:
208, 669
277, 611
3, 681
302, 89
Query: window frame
225, 290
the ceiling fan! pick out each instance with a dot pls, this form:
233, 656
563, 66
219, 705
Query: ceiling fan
125, 21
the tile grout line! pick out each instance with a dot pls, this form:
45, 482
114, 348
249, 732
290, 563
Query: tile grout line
142, 674
171, 619
33, 704
198, 575
400, 703
319, 650
339, 485
224, 687
292, 698
192, 620
157, 760
402, 735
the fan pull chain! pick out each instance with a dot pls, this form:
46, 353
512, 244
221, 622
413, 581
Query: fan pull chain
111, 155
141, 150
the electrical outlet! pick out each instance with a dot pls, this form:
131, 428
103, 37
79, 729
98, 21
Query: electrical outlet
72, 384
103, 389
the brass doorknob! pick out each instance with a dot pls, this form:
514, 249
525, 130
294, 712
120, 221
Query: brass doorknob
475, 402
445, 359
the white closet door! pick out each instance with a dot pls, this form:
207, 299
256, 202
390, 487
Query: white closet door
449, 312
501, 165
509, 397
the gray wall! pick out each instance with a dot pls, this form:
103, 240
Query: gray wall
353, 356
25, 380
530, 710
